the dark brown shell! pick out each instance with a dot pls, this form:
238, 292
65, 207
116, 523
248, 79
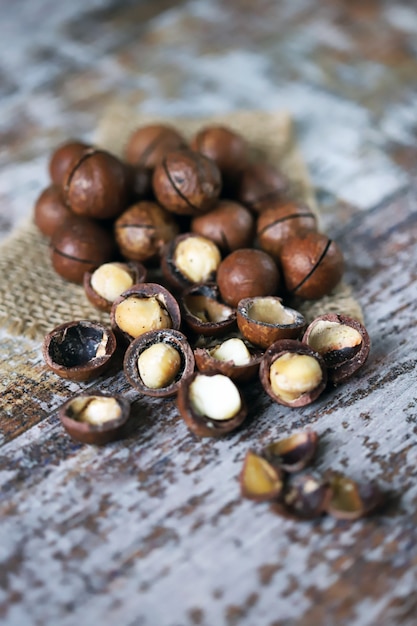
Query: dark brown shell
70, 350
199, 424
230, 225
258, 183
63, 158
293, 453
279, 348
187, 183
90, 433
174, 338
205, 297
50, 210
228, 149
149, 144
342, 363
263, 334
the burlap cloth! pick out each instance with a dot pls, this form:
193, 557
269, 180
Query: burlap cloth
33, 299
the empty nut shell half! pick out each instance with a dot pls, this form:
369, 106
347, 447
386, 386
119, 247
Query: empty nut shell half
293, 453
231, 357
95, 418
156, 362
108, 281
204, 312
211, 405
263, 320
259, 480
292, 373
79, 350
342, 341
144, 307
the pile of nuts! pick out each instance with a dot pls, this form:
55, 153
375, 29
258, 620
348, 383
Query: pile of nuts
268, 476
196, 253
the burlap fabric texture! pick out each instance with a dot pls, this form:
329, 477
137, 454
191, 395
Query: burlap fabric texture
34, 299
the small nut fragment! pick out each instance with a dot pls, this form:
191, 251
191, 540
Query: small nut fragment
95, 410
215, 397
159, 365
136, 315
292, 453
259, 480
197, 258
110, 280
293, 375
233, 350
350, 500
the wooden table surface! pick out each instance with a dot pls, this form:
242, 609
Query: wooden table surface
151, 531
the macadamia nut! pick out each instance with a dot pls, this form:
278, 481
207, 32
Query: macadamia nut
215, 397
110, 280
328, 336
292, 375
197, 258
158, 365
269, 311
136, 316
95, 410
234, 350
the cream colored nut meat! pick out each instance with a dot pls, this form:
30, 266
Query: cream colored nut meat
328, 336
197, 258
270, 311
292, 375
215, 397
233, 350
110, 280
95, 410
158, 365
136, 316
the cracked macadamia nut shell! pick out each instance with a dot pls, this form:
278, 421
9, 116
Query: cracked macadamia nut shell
198, 422
247, 273
166, 337
304, 391
312, 265
187, 183
79, 350
190, 259
225, 147
149, 144
230, 225
342, 341
259, 183
136, 271
204, 312
103, 429
63, 158
263, 320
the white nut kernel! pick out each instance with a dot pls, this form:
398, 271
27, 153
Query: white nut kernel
110, 280
293, 375
328, 336
197, 258
158, 365
269, 310
233, 350
95, 410
215, 397
136, 316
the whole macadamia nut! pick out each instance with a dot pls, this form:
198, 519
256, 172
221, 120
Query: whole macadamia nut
63, 158
227, 148
148, 145
247, 273
50, 210
229, 224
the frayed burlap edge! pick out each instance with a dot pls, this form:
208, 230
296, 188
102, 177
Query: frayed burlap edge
34, 299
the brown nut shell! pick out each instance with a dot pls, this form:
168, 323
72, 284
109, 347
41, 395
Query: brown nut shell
63, 158
312, 265
164, 298
228, 149
293, 394
203, 311
305, 498
198, 422
259, 480
263, 320
260, 183
79, 350
95, 433
143, 229
96, 185
136, 270
175, 260
169, 337
208, 364
293, 453
350, 500
50, 210
149, 144
230, 225
280, 221
79, 245
247, 273
187, 183
342, 341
